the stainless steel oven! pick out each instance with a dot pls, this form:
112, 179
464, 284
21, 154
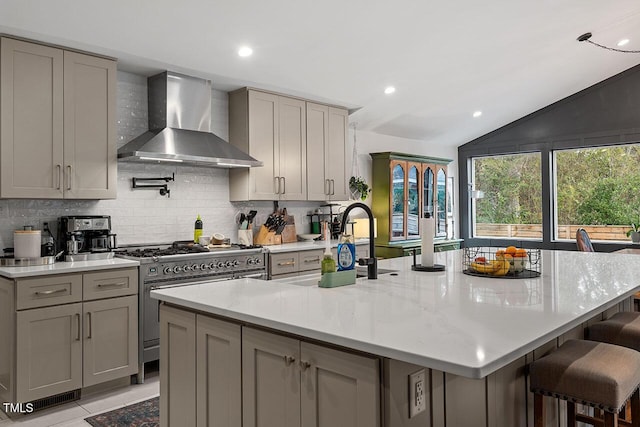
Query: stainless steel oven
183, 265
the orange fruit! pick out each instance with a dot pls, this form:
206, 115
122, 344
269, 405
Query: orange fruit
500, 252
520, 253
511, 250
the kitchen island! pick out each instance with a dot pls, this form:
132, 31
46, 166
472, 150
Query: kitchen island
475, 335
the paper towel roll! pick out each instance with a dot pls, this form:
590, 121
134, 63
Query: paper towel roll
427, 230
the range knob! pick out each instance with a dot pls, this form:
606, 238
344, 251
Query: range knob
177, 269
204, 266
251, 261
195, 267
186, 267
236, 263
212, 265
167, 270
258, 261
228, 264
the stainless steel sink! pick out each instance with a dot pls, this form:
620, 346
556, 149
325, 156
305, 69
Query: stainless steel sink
362, 271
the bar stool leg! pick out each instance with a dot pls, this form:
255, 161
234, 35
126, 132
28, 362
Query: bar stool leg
571, 414
634, 402
610, 420
539, 414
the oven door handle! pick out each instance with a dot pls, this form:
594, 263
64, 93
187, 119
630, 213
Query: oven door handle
252, 276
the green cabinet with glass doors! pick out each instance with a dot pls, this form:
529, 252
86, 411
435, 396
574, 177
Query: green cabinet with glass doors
405, 188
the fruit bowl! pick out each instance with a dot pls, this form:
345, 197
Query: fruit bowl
511, 263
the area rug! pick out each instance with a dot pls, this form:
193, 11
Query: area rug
141, 414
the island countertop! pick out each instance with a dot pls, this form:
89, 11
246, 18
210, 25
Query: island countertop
457, 323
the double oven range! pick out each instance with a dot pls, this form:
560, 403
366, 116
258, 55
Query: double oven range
182, 264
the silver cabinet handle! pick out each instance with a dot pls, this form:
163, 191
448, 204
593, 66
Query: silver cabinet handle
56, 291
282, 264
304, 365
109, 285
78, 320
69, 177
327, 187
333, 187
288, 360
315, 260
59, 176
284, 185
276, 180
89, 319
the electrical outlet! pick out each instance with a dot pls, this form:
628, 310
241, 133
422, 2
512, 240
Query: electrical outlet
417, 395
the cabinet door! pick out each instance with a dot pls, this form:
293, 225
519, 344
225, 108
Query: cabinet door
90, 163
263, 145
338, 154
292, 148
48, 351
338, 388
397, 205
177, 370
270, 380
318, 183
219, 369
31, 120
110, 339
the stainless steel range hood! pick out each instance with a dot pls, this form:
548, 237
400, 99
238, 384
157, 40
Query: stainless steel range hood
180, 127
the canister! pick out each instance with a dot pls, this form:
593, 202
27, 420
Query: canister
26, 243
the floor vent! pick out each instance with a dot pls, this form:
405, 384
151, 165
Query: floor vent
58, 399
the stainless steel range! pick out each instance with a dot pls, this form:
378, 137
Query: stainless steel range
182, 264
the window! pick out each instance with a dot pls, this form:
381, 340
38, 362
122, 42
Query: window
507, 201
597, 189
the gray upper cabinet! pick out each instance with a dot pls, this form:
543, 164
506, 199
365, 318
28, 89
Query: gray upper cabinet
57, 123
328, 154
272, 129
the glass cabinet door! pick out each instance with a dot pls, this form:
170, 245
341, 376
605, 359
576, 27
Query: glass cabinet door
413, 202
441, 216
427, 190
397, 202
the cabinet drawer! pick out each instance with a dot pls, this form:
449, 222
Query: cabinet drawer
110, 283
283, 263
48, 290
310, 260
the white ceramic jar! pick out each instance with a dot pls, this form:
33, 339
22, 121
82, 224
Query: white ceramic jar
26, 243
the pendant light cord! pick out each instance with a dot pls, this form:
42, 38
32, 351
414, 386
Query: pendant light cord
585, 38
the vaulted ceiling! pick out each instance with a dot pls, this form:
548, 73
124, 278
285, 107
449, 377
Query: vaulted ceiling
446, 59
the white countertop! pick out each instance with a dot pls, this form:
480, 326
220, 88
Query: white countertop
307, 245
450, 321
66, 267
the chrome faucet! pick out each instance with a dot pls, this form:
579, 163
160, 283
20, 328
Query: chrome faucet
371, 262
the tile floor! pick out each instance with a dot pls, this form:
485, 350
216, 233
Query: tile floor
72, 414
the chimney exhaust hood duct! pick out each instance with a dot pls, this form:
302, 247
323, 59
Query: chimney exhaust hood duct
180, 127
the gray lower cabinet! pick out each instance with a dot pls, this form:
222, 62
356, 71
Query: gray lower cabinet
53, 340
251, 378
49, 351
200, 370
287, 382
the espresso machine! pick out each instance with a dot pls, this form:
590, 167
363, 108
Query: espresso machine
86, 237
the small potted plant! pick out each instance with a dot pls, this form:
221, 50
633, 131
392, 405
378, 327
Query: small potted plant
359, 188
634, 233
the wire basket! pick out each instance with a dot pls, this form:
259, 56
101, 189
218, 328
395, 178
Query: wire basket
501, 263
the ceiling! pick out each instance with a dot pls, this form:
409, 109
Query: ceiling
446, 59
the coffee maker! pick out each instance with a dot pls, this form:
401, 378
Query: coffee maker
89, 234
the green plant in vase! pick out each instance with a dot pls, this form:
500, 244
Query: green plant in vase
634, 233
359, 188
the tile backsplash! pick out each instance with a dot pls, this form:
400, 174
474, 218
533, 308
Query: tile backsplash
143, 215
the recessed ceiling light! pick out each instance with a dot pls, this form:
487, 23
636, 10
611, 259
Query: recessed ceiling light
389, 90
477, 113
245, 51
623, 42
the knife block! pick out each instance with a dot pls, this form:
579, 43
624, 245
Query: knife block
265, 237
